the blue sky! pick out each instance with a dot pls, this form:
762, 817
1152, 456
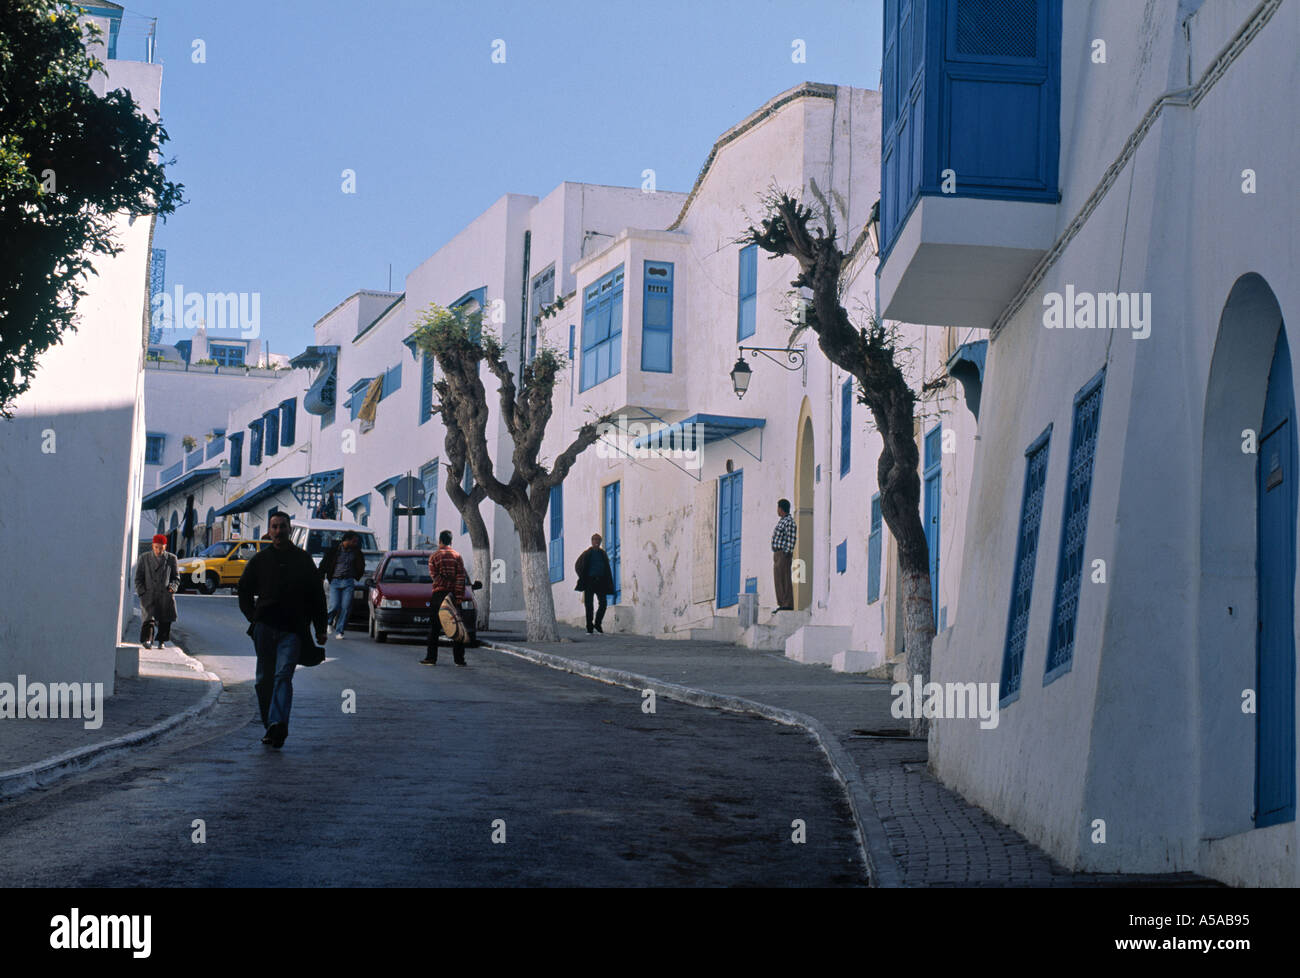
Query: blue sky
406, 95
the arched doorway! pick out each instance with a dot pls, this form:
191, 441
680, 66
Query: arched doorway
1246, 616
804, 482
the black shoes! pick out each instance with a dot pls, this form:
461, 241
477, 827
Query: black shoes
601, 630
590, 629
426, 661
276, 733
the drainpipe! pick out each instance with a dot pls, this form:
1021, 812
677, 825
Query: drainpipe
831, 478
523, 304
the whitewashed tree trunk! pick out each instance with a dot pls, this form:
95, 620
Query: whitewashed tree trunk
483, 572
539, 603
918, 633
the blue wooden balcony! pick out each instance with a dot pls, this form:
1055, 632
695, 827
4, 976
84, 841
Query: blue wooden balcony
970, 149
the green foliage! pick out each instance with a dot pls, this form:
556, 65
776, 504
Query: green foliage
69, 161
453, 333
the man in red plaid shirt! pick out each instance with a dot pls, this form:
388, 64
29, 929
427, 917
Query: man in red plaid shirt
447, 571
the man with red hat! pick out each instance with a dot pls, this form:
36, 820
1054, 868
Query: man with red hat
157, 579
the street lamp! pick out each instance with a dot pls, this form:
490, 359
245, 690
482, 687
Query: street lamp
741, 372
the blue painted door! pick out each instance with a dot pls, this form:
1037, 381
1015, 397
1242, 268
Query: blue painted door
1275, 681
933, 499
730, 492
612, 547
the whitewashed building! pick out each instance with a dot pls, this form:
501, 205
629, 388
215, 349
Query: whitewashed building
1105, 190
72, 457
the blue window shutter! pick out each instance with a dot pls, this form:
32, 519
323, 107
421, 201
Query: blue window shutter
572, 331
556, 543
846, 426
842, 556
271, 426
1074, 527
873, 552
426, 387
236, 443
657, 317
392, 381
153, 449
288, 421
255, 443
747, 293
1022, 578
602, 330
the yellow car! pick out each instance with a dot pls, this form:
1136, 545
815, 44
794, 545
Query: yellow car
220, 565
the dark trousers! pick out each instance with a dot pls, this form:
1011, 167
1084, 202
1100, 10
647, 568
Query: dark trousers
277, 656
164, 629
435, 631
600, 611
781, 573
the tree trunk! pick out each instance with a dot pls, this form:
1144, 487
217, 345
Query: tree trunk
483, 572
539, 601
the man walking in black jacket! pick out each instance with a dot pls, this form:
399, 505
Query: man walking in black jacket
280, 593
595, 580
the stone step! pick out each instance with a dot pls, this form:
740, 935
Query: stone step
770, 633
818, 643
852, 660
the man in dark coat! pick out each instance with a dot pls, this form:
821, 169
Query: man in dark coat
157, 579
280, 593
595, 580
342, 566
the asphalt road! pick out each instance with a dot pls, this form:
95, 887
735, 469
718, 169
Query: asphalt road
577, 785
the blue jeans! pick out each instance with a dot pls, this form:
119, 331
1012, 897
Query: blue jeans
277, 655
341, 602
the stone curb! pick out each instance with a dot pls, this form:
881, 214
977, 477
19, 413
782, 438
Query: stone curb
42, 774
882, 868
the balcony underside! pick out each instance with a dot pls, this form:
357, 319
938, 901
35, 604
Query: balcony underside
958, 261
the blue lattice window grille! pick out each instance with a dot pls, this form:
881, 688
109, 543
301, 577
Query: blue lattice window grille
555, 546
747, 293
602, 330
657, 318
846, 426
426, 386
255, 442
1074, 527
226, 354
236, 441
873, 552
153, 449
429, 521
271, 437
1022, 578
841, 556
288, 420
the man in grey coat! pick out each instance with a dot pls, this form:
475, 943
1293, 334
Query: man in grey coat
157, 579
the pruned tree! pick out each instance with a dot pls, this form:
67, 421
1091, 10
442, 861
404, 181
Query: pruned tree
870, 354
70, 160
459, 345
466, 503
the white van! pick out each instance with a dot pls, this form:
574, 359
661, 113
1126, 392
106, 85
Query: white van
317, 536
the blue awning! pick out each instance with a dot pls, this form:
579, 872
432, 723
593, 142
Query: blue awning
966, 366
388, 483
711, 427
254, 496
187, 481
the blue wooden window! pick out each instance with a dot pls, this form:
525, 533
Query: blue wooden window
657, 318
226, 355
1074, 527
846, 426
873, 552
971, 86
392, 381
842, 556
747, 292
476, 299
153, 449
357, 395
613, 543
271, 438
236, 442
730, 513
288, 420
572, 341
555, 546
429, 521
602, 330
255, 442
542, 295
1022, 578
426, 386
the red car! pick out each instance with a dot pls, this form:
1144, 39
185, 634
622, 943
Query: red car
400, 597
